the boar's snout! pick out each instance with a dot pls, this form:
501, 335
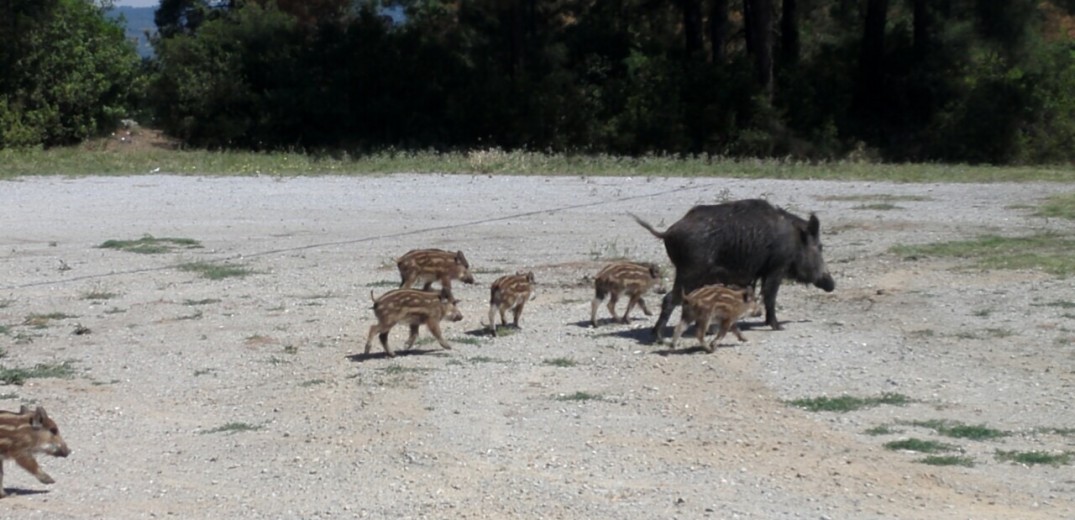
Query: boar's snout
825, 283
467, 277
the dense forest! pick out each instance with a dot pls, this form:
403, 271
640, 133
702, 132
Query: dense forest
978, 81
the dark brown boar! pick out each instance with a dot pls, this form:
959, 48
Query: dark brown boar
738, 243
433, 265
725, 305
414, 308
25, 433
630, 278
509, 292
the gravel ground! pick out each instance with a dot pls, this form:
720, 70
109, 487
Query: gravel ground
251, 397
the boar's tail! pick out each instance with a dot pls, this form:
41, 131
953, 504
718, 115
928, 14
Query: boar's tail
646, 225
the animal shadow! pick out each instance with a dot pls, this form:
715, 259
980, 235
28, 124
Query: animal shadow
22, 491
359, 358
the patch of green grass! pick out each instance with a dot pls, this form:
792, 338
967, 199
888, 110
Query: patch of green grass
204, 301
214, 271
560, 362
234, 427
273, 360
466, 340
999, 333
401, 369
579, 396
204, 372
877, 206
883, 429
9, 395
150, 245
98, 295
485, 359
1063, 304
959, 430
503, 331
610, 250
6, 303
947, 460
1061, 206
489, 270
919, 445
982, 313
384, 283
1031, 458
1066, 432
40, 321
847, 403
1044, 251
78, 160
922, 333
883, 197
18, 376
312, 382
5, 330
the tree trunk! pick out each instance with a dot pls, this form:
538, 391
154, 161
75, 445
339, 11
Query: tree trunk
789, 33
692, 26
868, 95
921, 28
718, 29
760, 41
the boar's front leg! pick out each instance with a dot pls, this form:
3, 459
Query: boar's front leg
434, 328
29, 463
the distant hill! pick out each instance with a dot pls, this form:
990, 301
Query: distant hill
139, 21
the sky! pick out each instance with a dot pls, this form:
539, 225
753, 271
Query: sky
137, 3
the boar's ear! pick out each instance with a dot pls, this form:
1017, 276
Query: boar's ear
814, 226
460, 259
38, 418
24, 410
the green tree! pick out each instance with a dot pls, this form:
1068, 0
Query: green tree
68, 73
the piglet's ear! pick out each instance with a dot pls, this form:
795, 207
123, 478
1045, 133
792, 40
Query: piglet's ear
38, 419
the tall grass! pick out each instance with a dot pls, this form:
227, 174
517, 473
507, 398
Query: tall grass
91, 160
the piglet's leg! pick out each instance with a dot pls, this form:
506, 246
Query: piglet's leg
434, 328
28, 463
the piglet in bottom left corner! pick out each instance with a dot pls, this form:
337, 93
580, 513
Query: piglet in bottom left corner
25, 433
413, 308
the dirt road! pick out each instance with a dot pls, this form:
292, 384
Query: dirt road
249, 397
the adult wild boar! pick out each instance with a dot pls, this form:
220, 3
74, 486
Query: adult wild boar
738, 243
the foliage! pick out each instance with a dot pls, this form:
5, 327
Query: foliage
68, 73
848, 403
975, 82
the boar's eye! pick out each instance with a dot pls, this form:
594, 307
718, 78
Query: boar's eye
54, 430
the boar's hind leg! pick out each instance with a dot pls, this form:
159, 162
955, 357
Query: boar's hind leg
612, 299
492, 318
374, 330
434, 328
669, 303
642, 305
412, 337
516, 312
